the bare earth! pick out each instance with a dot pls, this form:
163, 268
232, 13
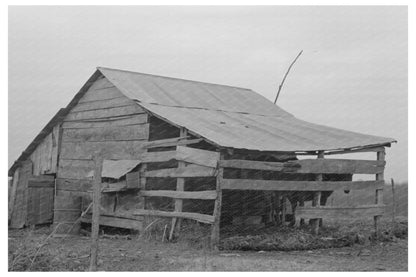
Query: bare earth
71, 254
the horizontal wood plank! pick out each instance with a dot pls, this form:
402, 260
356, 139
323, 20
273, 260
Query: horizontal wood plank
170, 142
112, 133
271, 166
195, 216
275, 185
335, 166
102, 104
205, 195
328, 212
119, 222
106, 122
198, 156
104, 113
362, 150
188, 171
339, 166
132, 150
75, 169
74, 184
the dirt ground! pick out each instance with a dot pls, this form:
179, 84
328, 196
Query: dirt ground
129, 253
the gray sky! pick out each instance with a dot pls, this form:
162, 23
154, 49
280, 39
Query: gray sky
352, 74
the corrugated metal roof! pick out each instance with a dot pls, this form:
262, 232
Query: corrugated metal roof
232, 117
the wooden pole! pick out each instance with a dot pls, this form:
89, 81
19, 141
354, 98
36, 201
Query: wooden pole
394, 200
180, 186
215, 231
284, 77
316, 202
379, 192
95, 211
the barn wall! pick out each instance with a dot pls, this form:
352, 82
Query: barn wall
103, 119
45, 156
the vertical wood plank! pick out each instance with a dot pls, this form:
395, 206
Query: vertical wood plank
98, 159
215, 231
317, 199
180, 186
379, 192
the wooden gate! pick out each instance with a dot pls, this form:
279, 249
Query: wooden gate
41, 190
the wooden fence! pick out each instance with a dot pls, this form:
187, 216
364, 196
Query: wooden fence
194, 162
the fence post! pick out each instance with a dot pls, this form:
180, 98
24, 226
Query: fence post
317, 198
180, 186
215, 232
379, 192
95, 211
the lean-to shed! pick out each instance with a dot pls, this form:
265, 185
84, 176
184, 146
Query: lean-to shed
189, 141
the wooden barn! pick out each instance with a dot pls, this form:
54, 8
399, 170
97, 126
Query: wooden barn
167, 147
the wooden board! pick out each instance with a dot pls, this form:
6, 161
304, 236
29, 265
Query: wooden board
182, 172
40, 201
73, 184
19, 214
75, 169
195, 216
111, 133
119, 222
198, 156
44, 156
170, 142
371, 149
105, 113
329, 212
275, 185
339, 166
206, 195
133, 180
336, 166
102, 104
271, 166
118, 149
106, 122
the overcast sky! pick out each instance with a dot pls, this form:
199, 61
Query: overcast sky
352, 74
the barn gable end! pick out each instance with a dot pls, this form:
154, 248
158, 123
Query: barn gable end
104, 119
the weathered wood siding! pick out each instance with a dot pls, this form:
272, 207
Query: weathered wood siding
45, 156
103, 119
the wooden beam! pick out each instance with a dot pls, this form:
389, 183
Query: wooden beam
206, 195
215, 231
316, 202
182, 172
271, 166
119, 222
98, 159
204, 218
329, 212
180, 186
347, 151
197, 156
379, 191
276, 185
171, 142
337, 166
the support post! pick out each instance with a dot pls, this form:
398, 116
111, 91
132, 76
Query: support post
284, 210
316, 202
95, 211
180, 186
215, 231
379, 192
302, 204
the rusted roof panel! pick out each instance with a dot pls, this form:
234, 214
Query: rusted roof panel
232, 117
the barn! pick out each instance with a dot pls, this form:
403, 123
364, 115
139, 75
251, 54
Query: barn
186, 150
